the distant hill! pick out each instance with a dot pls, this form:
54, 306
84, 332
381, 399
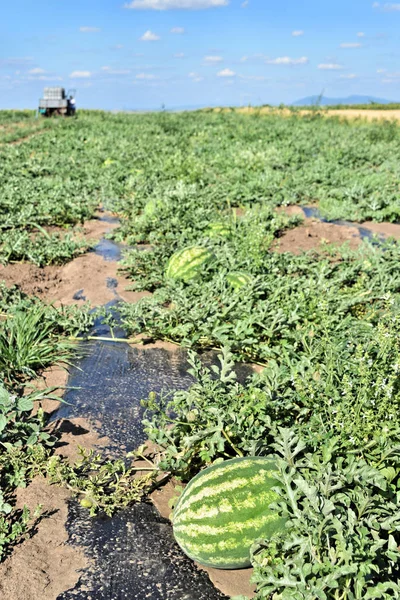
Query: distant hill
312, 100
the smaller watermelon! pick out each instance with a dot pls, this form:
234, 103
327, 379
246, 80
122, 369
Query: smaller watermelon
187, 263
225, 509
152, 207
216, 230
238, 280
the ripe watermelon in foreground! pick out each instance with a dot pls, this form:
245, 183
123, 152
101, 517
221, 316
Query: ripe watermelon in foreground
187, 263
225, 509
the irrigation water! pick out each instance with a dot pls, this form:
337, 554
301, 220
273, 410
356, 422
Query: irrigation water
132, 555
314, 213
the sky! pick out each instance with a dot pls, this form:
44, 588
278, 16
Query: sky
145, 54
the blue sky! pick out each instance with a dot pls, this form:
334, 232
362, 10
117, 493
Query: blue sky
141, 54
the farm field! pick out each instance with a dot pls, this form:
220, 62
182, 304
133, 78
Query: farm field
219, 285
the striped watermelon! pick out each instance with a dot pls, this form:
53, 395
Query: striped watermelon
225, 509
187, 263
152, 207
238, 280
216, 230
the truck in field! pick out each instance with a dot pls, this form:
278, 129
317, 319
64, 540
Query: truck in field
56, 101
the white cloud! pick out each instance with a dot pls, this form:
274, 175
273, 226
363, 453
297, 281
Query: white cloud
179, 55
360, 34
226, 73
351, 45
388, 7
297, 32
80, 74
349, 76
245, 4
175, 4
286, 60
145, 76
36, 71
212, 60
89, 29
195, 77
177, 30
330, 67
149, 36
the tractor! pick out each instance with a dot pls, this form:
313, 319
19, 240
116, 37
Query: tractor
56, 102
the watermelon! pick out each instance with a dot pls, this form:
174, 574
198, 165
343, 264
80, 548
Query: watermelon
187, 263
225, 509
152, 207
216, 230
238, 280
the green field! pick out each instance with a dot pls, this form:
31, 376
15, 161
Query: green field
323, 326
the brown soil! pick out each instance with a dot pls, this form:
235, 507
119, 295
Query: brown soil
87, 274
291, 211
314, 235
386, 229
44, 565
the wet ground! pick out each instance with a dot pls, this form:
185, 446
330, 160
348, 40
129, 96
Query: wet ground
311, 212
132, 555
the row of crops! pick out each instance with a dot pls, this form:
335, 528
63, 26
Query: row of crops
200, 191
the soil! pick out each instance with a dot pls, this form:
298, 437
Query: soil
314, 235
385, 229
85, 277
44, 565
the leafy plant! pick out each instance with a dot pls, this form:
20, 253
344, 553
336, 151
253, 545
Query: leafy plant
29, 342
343, 529
102, 485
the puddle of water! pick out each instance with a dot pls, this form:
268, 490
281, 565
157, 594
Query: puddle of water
112, 219
109, 250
